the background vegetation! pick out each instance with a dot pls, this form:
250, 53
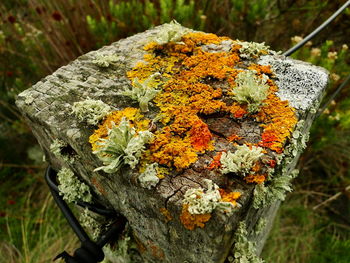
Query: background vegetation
38, 36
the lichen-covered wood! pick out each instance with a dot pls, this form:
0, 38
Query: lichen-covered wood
203, 134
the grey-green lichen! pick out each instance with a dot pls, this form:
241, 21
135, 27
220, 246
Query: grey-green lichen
90, 223
260, 226
275, 190
57, 147
244, 251
171, 32
250, 89
205, 201
125, 251
298, 140
123, 145
29, 99
90, 111
143, 92
71, 188
241, 161
105, 61
252, 50
149, 178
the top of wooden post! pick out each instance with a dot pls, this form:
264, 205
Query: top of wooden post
180, 131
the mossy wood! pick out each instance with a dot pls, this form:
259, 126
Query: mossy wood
186, 134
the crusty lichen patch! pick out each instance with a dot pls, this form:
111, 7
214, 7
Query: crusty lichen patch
193, 83
199, 204
90, 111
189, 78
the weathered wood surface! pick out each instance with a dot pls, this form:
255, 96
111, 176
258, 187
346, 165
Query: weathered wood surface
47, 108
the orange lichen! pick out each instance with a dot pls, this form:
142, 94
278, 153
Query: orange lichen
230, 197
237, 111
156, 251
216, 162
255, 178
260, 69
191, 221
200, 136
234, 137
132, 114
165, 212
278, 120
192, 87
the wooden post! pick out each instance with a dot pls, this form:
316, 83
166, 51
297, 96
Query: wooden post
223, 125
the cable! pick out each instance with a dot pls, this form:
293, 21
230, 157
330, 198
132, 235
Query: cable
89, 252
73, 222
335, 93
316, 31
96, 208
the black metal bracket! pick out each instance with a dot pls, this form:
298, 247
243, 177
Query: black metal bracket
90, 251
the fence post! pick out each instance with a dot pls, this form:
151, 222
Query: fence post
209, 156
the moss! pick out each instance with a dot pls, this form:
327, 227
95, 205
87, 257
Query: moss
250, 89
149, 178
242, 160
91, 111
71, 188
123, 145
143, 91
243, 251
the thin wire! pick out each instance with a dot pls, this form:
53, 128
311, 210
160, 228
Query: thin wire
335, 93
316, 31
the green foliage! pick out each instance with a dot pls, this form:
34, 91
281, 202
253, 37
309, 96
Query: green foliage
134, 16
122, 146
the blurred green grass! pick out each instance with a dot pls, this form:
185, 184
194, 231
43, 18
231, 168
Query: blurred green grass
38, 36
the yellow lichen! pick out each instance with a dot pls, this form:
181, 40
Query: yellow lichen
191, 88
165, 212
132, 114
190, 221
230, 197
